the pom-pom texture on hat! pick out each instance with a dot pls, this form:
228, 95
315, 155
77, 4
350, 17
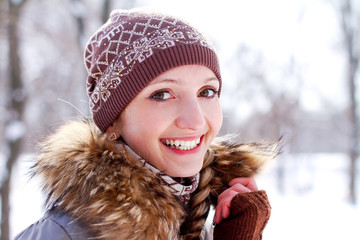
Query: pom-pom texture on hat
131, 49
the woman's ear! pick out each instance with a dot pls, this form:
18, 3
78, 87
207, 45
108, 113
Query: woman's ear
113, 131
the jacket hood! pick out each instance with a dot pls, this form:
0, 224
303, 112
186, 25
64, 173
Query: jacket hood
109, 191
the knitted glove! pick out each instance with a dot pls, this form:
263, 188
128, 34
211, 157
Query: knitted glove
249, 215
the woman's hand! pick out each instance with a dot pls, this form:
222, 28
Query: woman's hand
237, 185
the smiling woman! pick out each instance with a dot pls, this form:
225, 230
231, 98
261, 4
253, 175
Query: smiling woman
183, 110
148, 166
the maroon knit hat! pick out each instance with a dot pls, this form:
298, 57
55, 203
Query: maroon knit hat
131, 49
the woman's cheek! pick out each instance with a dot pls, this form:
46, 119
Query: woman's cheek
215, 116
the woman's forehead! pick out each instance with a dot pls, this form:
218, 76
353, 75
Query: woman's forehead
182, 75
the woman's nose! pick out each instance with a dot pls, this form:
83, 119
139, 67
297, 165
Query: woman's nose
190, 115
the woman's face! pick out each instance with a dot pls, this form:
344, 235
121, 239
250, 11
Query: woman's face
173, 120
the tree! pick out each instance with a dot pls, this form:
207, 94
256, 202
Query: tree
351, 33
16, 97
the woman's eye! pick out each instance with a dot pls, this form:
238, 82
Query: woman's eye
161, 95
208, 92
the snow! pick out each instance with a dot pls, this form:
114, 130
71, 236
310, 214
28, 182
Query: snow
311, 217
26, 198
313, 204
15, 130
77, 8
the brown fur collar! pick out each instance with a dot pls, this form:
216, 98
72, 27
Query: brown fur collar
113, 194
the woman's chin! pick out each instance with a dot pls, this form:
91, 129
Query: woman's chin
184, 172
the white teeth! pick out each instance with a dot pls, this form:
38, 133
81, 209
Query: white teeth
181, 144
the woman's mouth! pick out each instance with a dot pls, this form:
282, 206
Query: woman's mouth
182, 144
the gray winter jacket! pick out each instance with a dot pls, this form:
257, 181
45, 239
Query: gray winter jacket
54, 226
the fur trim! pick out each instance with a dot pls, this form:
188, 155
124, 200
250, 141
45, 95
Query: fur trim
112, 194
239, 160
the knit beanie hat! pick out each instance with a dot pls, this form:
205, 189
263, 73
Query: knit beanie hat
132, 48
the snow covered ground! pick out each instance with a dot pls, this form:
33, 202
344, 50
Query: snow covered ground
313, 204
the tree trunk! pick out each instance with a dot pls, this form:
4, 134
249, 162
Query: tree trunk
351, 33
16, 105
105, 11
354, 120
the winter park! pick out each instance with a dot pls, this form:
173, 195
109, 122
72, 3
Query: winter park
290, 74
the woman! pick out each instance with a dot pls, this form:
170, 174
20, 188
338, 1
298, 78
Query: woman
147, 165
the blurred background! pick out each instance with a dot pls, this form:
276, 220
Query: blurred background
290, 69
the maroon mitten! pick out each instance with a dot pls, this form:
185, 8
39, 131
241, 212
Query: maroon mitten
249, 214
